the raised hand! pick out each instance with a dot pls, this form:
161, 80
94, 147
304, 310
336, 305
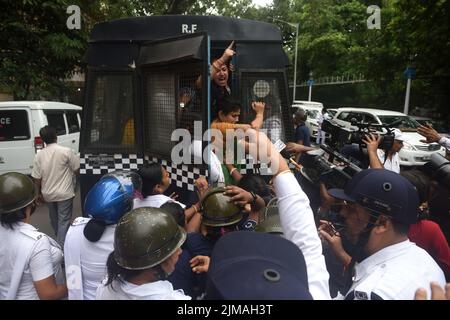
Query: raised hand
199, 264
429, 133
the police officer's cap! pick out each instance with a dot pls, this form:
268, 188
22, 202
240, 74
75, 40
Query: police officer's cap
256, 266
382, 192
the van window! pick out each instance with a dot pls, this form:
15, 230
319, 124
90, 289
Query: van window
343, 116
268, 88
110, 124
56, 120
172, 100
368, 118
14, 125
72, 122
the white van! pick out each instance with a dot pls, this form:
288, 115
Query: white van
20, 122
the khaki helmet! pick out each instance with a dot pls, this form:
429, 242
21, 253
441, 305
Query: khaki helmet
218, 211
271, 222
145, 237
16, 192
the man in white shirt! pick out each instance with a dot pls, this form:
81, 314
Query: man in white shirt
380, 205
54, 169
385, 159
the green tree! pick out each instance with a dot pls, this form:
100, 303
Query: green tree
38, 52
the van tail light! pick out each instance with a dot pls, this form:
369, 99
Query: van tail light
38, 144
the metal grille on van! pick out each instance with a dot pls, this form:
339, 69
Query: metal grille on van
172, 100
110, 127
269, 88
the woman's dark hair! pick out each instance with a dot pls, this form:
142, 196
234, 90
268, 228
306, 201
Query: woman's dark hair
256, 184
151, 175
420, 181
94, 229
116, 272
227, 106
9, 220
48, 134
176, 211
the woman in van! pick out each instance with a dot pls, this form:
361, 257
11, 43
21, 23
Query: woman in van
31, 261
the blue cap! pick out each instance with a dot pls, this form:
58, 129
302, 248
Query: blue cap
382, 192
256, 266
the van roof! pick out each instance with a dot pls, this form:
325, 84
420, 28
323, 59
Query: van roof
161, 27
39, 105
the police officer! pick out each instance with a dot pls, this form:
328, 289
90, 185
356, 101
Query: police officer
220, 215
89, 241
30, 260
147, 245
380, 207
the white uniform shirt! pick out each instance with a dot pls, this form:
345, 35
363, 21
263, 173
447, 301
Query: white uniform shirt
43, 261
92, 257
391, 165
299, 227
154, 201
217, 177
159, 290
56, 165
395, 273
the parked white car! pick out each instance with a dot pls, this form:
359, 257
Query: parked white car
414, 152
20, 122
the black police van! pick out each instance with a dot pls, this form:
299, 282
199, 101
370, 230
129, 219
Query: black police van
144, 80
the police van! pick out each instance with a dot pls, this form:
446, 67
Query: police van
20, 122
139, 72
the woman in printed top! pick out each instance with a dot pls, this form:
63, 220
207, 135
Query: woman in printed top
226, 120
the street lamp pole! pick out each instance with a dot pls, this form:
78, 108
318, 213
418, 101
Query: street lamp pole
296, 26
295, 63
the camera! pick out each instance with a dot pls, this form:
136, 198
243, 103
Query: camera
341, 136
336, 163
319, 168
439, 168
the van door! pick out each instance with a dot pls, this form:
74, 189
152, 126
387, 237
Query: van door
16, 144
73, 126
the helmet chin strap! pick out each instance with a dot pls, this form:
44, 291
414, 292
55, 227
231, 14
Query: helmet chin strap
160, 273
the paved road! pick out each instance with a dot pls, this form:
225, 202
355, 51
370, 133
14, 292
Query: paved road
41, 220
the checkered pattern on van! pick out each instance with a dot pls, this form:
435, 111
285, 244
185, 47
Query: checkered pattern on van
183, 175
104, 163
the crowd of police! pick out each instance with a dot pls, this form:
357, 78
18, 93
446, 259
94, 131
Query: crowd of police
164, 251
240, 238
